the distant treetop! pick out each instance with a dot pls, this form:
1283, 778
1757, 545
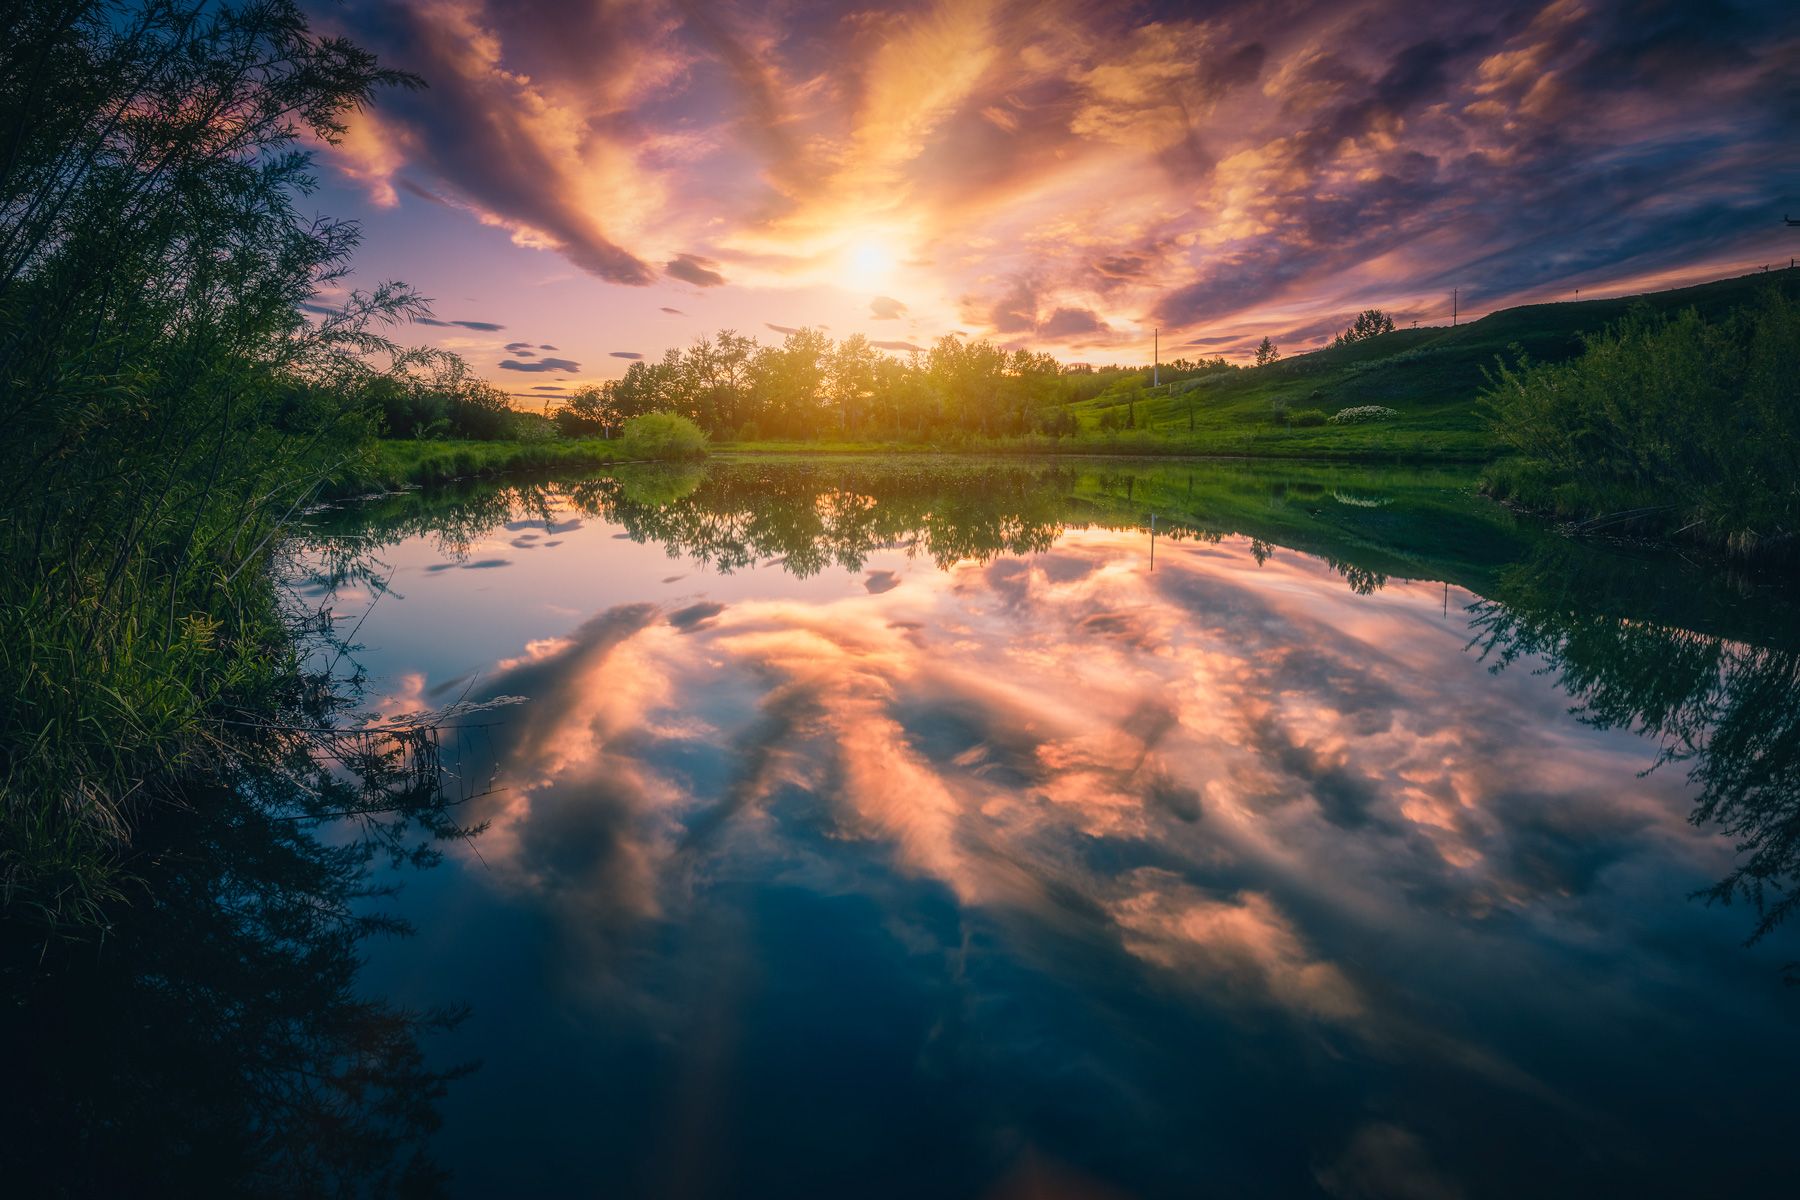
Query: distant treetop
1371, 322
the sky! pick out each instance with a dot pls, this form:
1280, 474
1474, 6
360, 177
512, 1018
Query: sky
581, 183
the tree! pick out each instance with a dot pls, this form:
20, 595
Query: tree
850, 378
1266, 353
1371, 322
589, 410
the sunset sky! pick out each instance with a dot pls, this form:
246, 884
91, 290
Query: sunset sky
583, 182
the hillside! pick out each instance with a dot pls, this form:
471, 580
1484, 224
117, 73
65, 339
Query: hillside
1432, 376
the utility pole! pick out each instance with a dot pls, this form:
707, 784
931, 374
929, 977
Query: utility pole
1455, 304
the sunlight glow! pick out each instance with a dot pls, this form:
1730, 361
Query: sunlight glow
866, 263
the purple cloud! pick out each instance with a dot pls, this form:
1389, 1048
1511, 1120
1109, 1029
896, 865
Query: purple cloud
542, 364
691, 268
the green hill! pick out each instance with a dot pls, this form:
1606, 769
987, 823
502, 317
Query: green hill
1431, 377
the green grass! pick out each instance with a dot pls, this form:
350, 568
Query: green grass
394, 463
1432, 377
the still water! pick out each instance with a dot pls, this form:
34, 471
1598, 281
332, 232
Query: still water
939, 831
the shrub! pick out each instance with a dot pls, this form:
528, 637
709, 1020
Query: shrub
1057, 422
532, 427
1664, 423
573, 423
663, 436
1306, 418
1362, 414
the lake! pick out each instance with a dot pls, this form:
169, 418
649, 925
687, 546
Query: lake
1082, 829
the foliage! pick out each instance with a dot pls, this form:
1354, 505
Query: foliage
1266, 352
662, 436
437, 396
1307, 418
1667, 424
1712, 679
1362, 414
1369, 323
809, 385
812, 510
396, 464
174, 398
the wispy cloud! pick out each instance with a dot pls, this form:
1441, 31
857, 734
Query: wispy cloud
1073, 173
542, 364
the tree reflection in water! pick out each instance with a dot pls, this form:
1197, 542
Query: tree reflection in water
1715, 681
214, 1040
210, 1039
1680, 654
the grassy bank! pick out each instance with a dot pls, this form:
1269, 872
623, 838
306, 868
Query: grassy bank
390, 464
1354, 444
1431, 378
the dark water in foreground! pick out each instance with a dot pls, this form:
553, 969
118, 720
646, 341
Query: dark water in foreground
910, 832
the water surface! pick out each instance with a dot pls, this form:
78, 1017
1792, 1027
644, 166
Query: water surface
1107, 830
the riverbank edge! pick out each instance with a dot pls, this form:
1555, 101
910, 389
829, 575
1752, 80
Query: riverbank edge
395, 463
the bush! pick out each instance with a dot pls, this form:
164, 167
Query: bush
1664, 423
663, 436
1306, 418
1057, 422
573, 423
1362, 414
532, 427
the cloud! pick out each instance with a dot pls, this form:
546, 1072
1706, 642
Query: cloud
674, 312
694, 616
542, 364
624, 354
545, 346
1015, 311
1069, 322
1143, 165
905, 346
549, 387
784, 330
693, 269
522, 348
481, 326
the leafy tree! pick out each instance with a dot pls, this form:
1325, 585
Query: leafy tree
588, 411
1266, 353
1371, 322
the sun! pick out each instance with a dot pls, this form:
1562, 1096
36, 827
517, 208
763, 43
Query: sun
866, 262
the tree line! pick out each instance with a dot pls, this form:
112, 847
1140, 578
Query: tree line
807, 385
731, 385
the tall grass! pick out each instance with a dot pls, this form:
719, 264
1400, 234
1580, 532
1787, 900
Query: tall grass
1674, 426
166, 409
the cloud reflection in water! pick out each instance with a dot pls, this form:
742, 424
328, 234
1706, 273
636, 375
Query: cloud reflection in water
1087, 828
